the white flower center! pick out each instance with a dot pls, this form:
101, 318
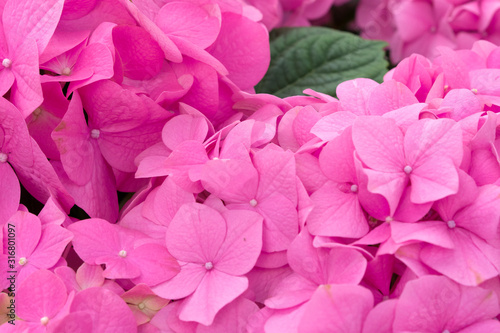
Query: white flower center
122, 253
66, 71
209, 265
474, 90
7, 63
253, 202
354, 188
95, 133
215, 158
3, 157
389, 219
23, 261
408, 169
141, 306
44, 320
451, 224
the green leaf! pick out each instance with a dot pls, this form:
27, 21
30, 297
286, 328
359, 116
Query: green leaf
319, 58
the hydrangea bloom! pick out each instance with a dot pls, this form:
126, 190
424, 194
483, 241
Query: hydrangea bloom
376, 211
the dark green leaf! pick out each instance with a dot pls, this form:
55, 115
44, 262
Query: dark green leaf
319, 58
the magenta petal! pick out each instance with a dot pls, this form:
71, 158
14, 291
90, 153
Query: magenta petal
108, 311
168, 200
327, 310
196, 233
10, 196
215, 291
141, 56
238, 37
42, 294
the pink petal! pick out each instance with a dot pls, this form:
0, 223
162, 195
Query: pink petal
42, 294
183, 284
76, 322
243, 242
233, 316
182, 128
380, 318
196, 233
89, 276
215, 291
327, 310
354, 95
10, 196
31, 19
336, 213
155, 263
464, 263
281, 222
238, 38
141, 56
108, 311
51, 246
388, 96
197, 24
379, 143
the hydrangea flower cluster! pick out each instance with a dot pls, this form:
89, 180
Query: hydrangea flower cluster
376, 211
414, 26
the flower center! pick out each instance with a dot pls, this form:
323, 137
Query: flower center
253, 202
389, 219
141, 306
451, 224
95, 133
44, 320
354, 188
122, 253
474, 90
23, 261
3, 157
408, 169
209, 265
7, 63
66, 71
